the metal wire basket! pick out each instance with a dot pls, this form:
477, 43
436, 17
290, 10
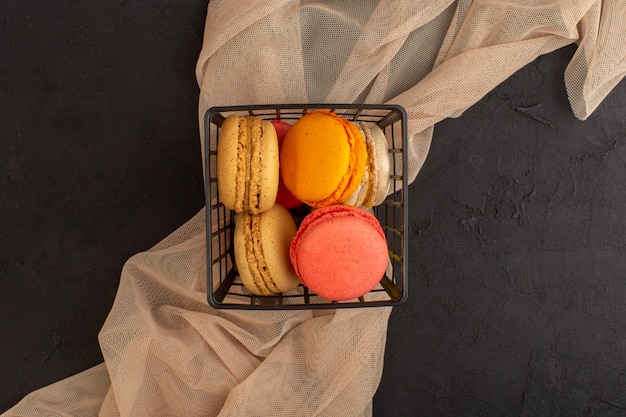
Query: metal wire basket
224, 287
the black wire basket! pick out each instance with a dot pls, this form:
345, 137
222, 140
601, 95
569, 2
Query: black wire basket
224, 287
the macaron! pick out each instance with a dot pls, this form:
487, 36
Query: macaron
376, 181
261, 245
323, 159
247, 164
284, 197
340, 252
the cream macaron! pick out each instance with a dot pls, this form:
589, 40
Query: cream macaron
261, 245
376, 181
247, 164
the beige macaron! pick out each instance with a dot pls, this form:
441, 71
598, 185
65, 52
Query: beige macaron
374, 187
261, 244
247, 164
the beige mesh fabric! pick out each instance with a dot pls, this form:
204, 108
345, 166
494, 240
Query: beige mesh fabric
166, 352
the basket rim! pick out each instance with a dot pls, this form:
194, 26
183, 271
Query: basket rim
213, 116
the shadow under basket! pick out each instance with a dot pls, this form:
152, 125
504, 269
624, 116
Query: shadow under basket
224, 287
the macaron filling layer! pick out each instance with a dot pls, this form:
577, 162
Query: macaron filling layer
249, 163
255, 257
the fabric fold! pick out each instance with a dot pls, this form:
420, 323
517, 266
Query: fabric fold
599, 63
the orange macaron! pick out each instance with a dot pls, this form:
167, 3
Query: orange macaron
323, 159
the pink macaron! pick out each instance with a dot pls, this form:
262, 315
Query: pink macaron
340, 252
284, 197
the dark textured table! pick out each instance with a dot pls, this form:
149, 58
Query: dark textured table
517, 224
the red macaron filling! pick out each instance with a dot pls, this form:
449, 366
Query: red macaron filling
284, 197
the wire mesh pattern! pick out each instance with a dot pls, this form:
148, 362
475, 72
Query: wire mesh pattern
224, 288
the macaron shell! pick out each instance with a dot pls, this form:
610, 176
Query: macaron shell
340, 252
322, 159
358, 158
359, 197
277, 231
228, 179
